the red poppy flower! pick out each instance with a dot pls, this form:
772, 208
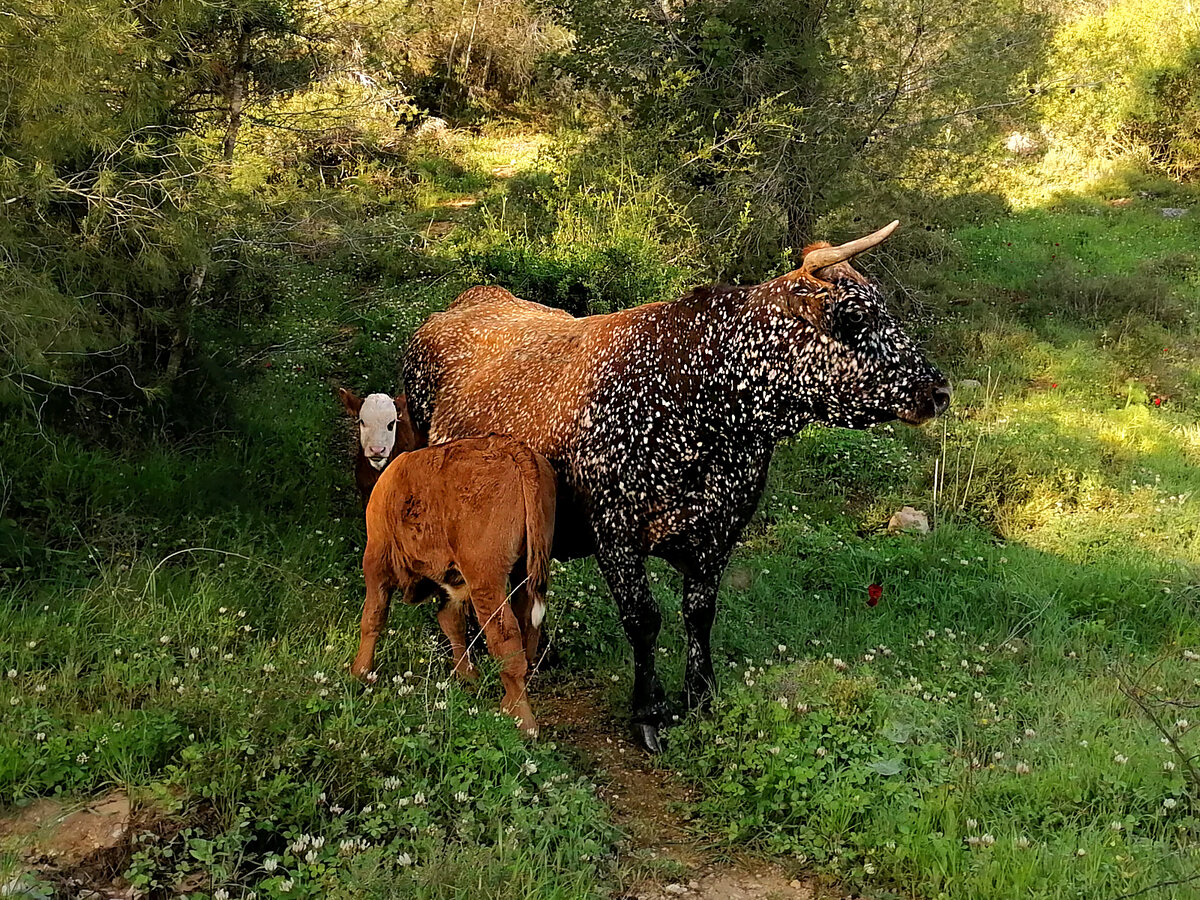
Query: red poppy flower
1054, 385
874, 592
1158, 401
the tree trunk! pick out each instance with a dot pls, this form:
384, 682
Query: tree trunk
183, 326
237, 93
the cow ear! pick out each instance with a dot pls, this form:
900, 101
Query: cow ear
805, 297
352, 403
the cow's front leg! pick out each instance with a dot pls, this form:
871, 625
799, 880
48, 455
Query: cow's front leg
699, 610
625, 572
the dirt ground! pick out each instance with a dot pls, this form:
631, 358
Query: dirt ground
667, 858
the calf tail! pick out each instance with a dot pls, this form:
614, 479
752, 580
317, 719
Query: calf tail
538, 491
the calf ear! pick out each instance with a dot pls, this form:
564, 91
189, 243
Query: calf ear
352, 403
406, 436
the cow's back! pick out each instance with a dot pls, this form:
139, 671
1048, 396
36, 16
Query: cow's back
494, 363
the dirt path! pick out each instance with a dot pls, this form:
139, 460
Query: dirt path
665, 857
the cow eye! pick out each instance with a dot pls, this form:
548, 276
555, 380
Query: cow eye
855, 316
392, 425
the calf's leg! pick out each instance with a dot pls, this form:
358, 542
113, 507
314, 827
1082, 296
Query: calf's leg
504, 641
380, 584
453, 619
529, 606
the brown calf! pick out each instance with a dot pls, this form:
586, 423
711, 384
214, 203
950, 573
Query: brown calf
464, 516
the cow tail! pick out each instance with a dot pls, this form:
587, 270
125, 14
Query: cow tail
420, 373
538, 491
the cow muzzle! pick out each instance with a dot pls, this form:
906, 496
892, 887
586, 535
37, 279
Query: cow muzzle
933, 400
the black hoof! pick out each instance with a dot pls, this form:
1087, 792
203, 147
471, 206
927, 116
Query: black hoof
647, 737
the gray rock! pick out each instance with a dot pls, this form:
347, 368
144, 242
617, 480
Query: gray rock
1173, 212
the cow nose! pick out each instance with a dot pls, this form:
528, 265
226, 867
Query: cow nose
382, 451
941, 399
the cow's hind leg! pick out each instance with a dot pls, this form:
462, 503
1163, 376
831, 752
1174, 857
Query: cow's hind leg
625, 572
505, 644
699, 610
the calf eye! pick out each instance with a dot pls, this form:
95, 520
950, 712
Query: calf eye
391, 425
855, 316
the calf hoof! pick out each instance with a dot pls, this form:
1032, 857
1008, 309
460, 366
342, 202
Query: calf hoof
467, 674
648, 738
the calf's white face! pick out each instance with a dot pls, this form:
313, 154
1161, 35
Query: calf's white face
377, 428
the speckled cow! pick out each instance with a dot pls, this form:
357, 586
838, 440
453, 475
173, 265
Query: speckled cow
661, 420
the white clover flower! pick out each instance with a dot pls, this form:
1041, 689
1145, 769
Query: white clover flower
391, 783
318, 842
1170, 803
439, 704
81, 758
461, 797
310, 857
1169, 766
1120, 759
1116, 826
998, 755
1030, 733
1181, 724
165, 639
1022, 843
987, 840
869, 868
972, 824
404, 859
285, 886
1081, 852
529, 767
783, 701
782, 648
194, 652
320, 678
1022, 768
40, 736
419, 798
473, 711
822, 752
372, 677
220, 894
839, 664
442, 685
268, 668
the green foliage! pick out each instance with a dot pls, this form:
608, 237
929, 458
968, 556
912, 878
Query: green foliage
774, 112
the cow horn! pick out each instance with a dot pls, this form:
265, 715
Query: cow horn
821, 257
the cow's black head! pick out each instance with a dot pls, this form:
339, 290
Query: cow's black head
850, 362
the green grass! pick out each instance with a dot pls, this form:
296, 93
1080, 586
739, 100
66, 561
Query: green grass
175, 618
